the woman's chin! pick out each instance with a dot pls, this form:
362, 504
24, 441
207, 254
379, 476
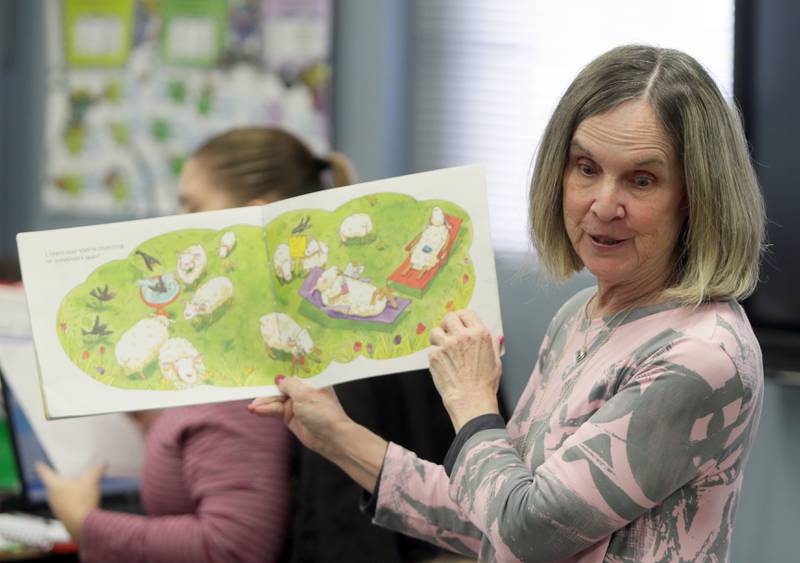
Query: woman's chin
608, 271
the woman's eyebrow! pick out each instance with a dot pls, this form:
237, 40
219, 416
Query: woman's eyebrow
652, 161
576, 145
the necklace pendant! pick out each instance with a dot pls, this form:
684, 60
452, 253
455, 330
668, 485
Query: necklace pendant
580, 355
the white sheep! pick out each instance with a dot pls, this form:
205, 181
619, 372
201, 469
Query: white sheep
350, 295
180, 363
282, 261
315, 256
208, 298
356, 226
192, 263
282, 333
139, 345
427, 247
226, 244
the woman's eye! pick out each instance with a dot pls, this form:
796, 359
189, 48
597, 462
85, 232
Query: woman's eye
585, 169
643, 181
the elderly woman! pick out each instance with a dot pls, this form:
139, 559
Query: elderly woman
629, 441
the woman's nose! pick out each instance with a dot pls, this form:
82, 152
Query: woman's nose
608, 204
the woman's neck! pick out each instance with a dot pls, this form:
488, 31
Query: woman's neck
145, 419
610, 299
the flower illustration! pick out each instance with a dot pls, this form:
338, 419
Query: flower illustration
85, 355
369, 348
465, 279
420, 328
450, 306
397, 339
357, 346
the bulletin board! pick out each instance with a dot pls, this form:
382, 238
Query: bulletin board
134, 86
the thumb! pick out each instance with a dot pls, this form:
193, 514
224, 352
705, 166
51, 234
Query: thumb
45, 473
94, 473
293, 387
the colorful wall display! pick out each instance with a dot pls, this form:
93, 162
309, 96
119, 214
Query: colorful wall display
134, 86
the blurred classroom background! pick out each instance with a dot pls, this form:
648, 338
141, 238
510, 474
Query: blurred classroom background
91, 133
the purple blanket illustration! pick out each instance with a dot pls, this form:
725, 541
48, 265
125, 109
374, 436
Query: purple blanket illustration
388, 316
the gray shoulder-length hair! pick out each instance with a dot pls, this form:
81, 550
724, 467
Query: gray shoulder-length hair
722, 238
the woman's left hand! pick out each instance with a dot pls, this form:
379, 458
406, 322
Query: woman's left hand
71, 500
466, 368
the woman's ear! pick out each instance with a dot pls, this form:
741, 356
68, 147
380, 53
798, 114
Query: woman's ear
257, 201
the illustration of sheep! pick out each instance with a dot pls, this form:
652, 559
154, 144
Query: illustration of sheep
350, 295
282, 262
208, 298
315, 256
427, 248
192, 263
281, 333
139, 345
180, 363
355, 227
226, 244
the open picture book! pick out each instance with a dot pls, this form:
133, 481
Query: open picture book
332, 286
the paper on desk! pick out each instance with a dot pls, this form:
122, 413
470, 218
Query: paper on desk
71, 444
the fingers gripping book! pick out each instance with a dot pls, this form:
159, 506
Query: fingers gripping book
332, 286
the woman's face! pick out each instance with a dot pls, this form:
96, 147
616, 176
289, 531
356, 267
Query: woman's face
198, 192
624, 197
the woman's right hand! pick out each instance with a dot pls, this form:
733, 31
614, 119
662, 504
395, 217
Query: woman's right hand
313, 415
318, 420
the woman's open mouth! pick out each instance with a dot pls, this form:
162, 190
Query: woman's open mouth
606, 242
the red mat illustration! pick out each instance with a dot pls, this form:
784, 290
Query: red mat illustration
413, 281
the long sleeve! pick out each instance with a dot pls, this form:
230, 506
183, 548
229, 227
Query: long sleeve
413, 498
235, 470
613, 468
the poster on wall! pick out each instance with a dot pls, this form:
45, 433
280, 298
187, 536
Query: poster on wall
134, 86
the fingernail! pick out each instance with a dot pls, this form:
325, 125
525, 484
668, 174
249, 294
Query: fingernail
279, 379
502, 340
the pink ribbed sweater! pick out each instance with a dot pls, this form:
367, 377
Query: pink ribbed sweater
215, 485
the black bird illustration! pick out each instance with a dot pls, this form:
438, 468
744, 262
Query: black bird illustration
148, 260
98, 329
102, 294
304, 224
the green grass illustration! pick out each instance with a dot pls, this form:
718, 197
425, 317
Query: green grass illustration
232, 348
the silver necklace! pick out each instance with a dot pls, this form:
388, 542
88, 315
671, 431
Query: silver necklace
582, 352
580, 355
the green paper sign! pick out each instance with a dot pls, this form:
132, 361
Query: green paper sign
98, 33
193, 31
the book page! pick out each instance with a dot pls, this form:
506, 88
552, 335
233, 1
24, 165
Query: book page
120, 312
197, 308
363, 273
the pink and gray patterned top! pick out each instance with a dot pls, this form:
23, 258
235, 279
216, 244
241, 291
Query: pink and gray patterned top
634, 453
